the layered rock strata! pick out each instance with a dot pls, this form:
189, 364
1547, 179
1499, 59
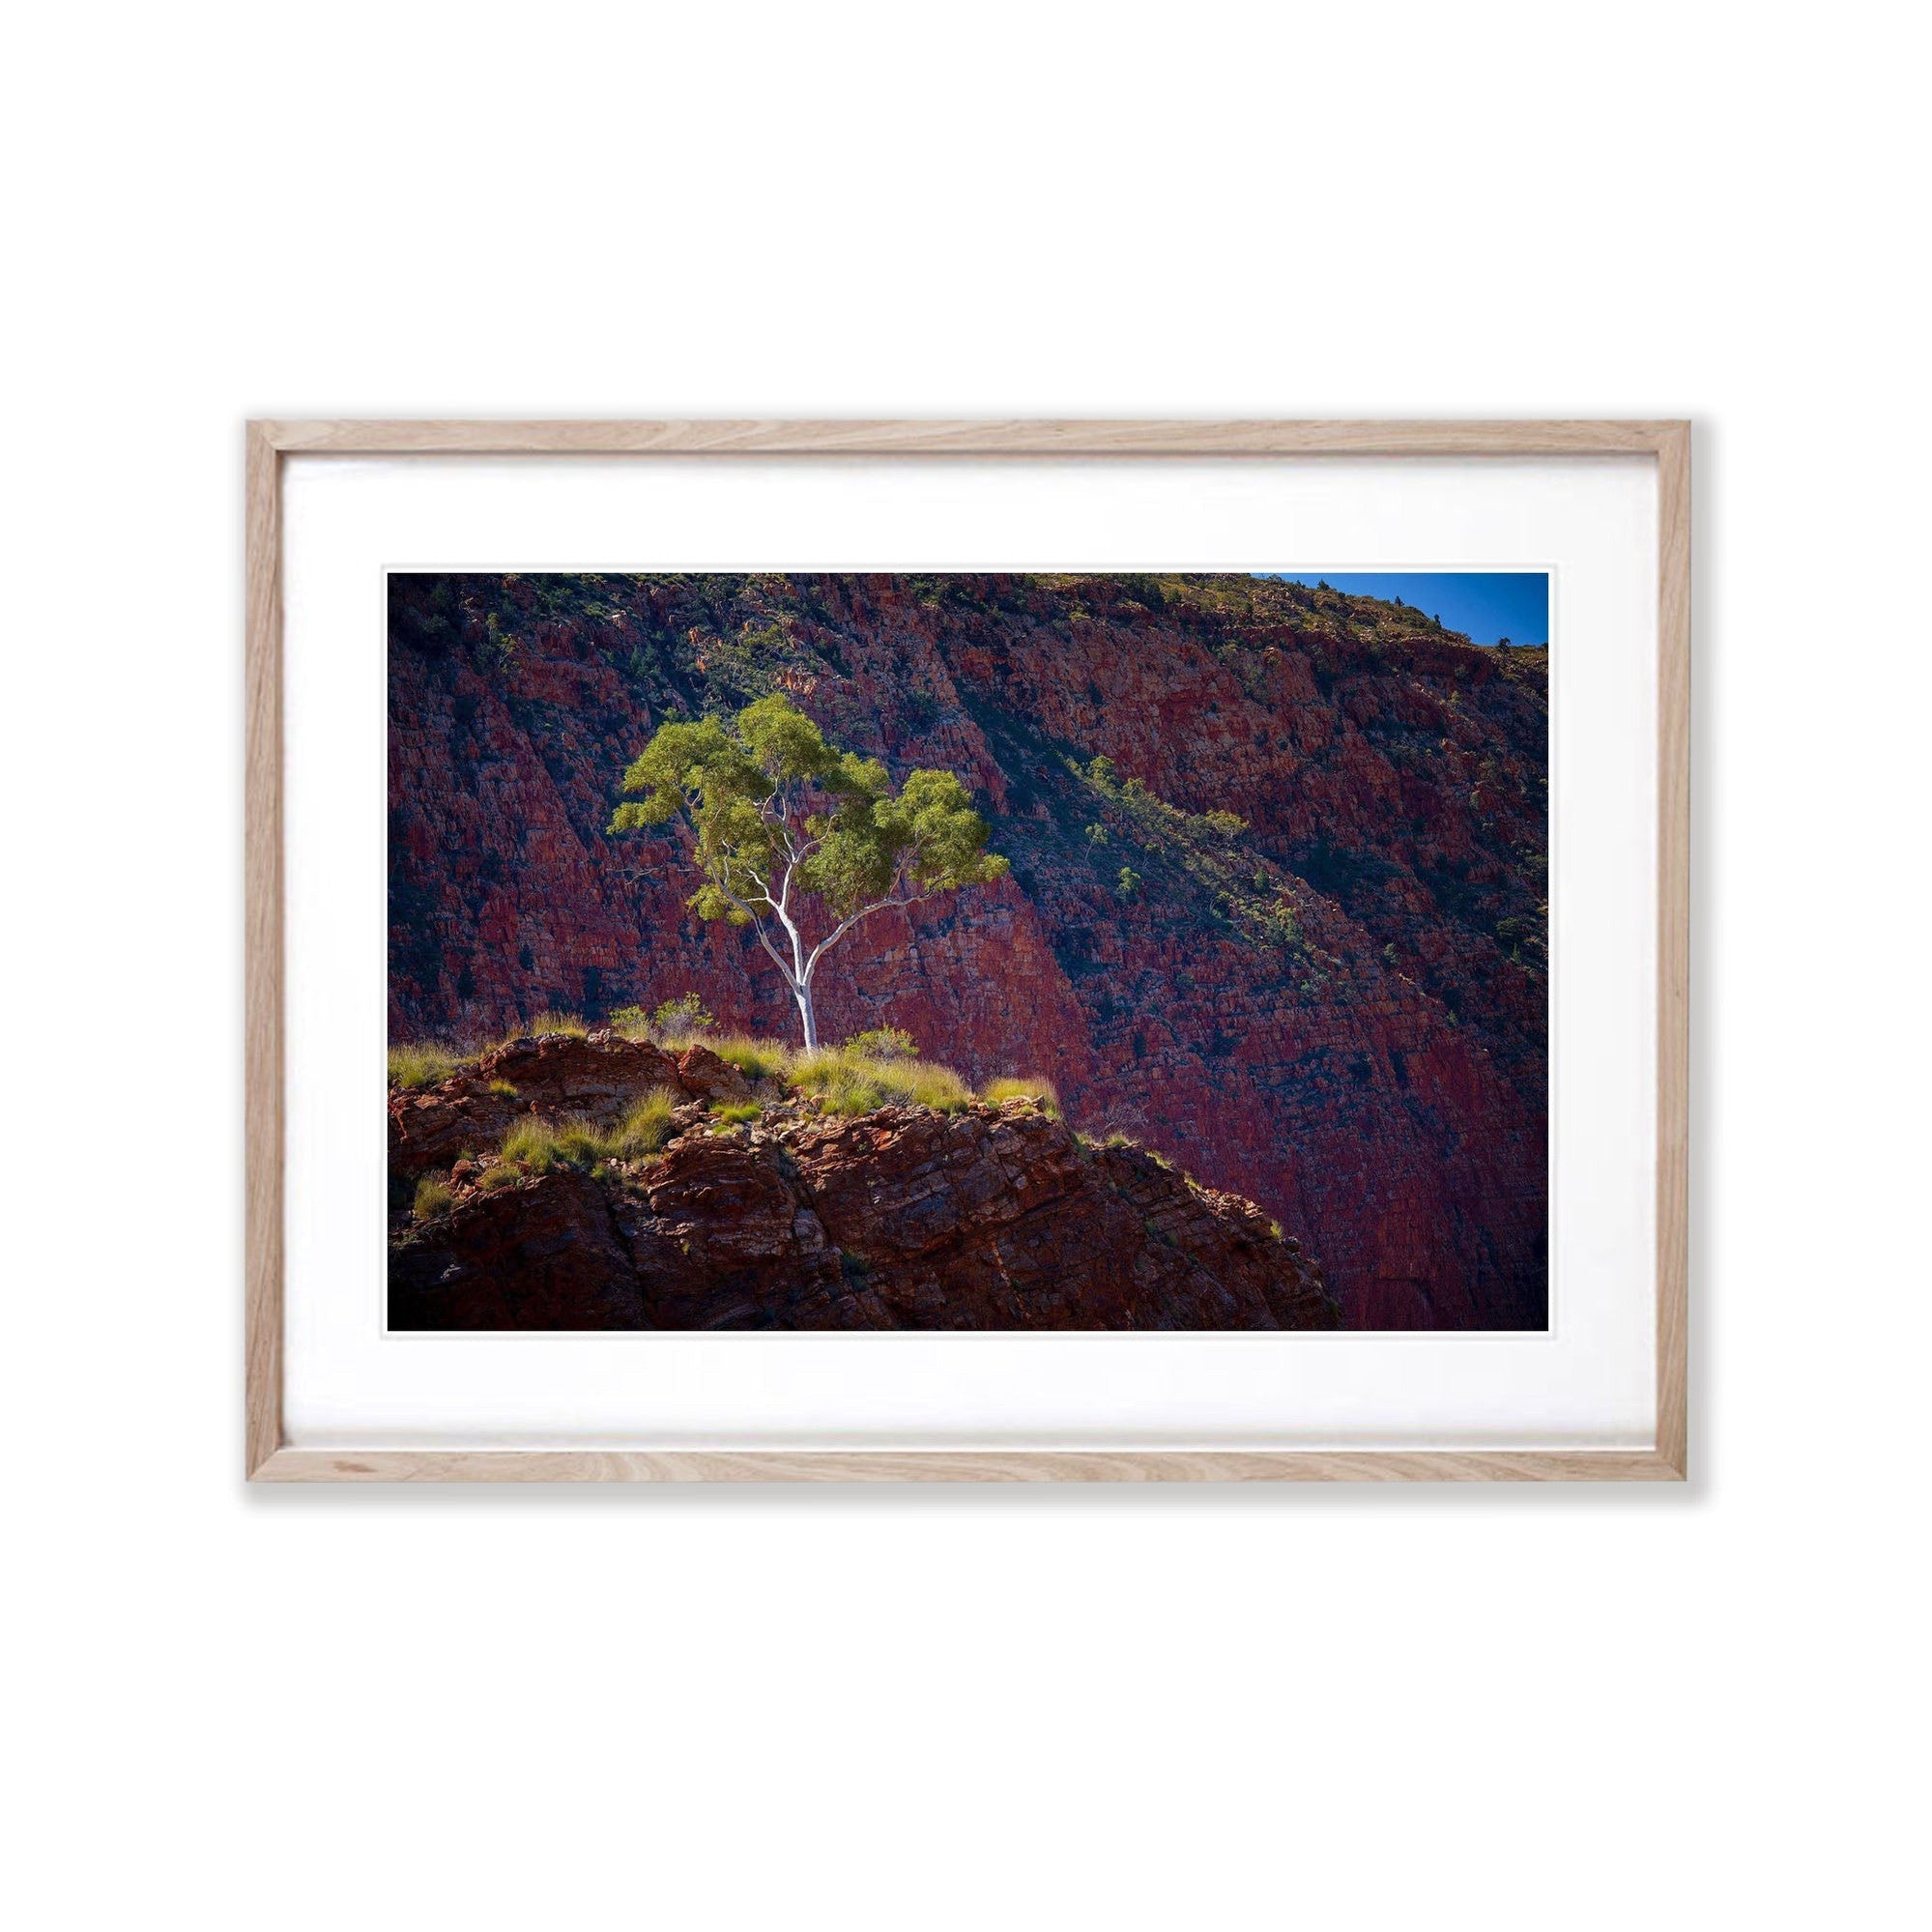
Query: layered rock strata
988, 1217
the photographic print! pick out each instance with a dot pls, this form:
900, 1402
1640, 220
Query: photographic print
872, 951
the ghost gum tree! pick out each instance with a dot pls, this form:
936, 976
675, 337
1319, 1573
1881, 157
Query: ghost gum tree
794, 838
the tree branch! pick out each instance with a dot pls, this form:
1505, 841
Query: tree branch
781, 907
763, 940
846, 925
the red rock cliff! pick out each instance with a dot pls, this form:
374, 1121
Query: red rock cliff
1336, 1008
982, 1217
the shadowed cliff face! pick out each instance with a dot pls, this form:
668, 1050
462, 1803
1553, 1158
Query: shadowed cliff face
1337, 1009
986, 1216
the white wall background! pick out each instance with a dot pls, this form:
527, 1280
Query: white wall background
1333, 1709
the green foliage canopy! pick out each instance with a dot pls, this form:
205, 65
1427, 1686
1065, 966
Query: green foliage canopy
778, 821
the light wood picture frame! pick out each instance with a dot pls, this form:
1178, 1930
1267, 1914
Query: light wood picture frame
268, 1455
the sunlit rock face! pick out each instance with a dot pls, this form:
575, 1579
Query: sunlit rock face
1277, 905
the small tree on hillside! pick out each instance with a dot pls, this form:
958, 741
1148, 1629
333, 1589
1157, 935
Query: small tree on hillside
794, 836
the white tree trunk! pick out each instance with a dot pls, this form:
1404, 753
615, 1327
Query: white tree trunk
801, 991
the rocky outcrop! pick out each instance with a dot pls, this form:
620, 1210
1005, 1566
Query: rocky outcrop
596, 1077
1336, 1008
986, 1217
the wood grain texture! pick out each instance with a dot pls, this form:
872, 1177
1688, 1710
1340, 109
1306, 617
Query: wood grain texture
974, 1465
942, 437
263, 992
1673, 948
268, 1459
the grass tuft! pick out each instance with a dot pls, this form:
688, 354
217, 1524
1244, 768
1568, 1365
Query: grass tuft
546, 1146
755, 1059
537, 1143
736, 1116
423, 1063
558, 1023
851, 1082
501, 1176
432, 1198
644, 1129
1039, 1091
1118, 1140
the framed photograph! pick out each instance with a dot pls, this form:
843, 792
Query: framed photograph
968, 951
